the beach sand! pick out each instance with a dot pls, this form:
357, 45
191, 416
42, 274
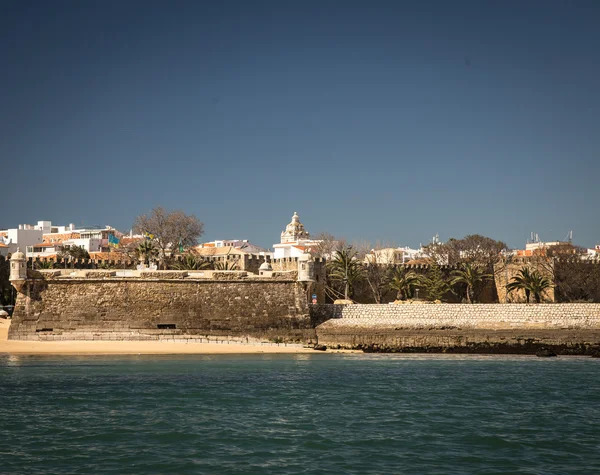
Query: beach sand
136, 347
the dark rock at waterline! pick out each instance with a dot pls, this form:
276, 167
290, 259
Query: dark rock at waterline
320, 347
595, 354
545, 353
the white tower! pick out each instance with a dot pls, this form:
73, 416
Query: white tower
18, 270
306, 268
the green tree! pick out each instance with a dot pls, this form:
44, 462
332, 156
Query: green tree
147, 251
532, 282
434, 282
345, 269
403, 282
469, 275
78, 252
71, 253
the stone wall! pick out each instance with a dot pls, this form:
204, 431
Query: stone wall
320, 274
494, 328
55, 307
505, 272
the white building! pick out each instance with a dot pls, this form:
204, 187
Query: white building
535, 244
28, 235
42, 250
23, 236
387, 255
295, 240
409, 254
593, 253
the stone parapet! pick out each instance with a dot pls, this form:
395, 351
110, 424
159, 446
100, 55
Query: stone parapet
511, 328
577, 315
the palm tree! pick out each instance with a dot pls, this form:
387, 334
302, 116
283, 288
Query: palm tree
191, 262
539, 283
532, 282
403, 281
43, 265
226, 265
470, 275
147, 251
346, 269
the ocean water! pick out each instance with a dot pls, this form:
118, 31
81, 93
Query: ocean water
299, 414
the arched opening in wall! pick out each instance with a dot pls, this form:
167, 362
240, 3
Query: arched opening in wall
166, 326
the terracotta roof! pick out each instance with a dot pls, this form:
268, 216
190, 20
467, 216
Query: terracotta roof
125, 240
218, 251
109, 256
531, 252
58, 238
46, 244
3, 245
412, 262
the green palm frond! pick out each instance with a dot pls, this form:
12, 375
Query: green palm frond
469, 275
192, 262
345, 269
531, 282
403, 281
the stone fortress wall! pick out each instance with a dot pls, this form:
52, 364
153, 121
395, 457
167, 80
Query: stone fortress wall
238, 306
161, 305
481, 328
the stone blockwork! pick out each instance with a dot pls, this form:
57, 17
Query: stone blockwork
487, 328
162, 306
505, 272
290, 264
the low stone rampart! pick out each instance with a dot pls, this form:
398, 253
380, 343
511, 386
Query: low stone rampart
481, 328
161, 306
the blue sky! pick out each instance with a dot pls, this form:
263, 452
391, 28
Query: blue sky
389, 121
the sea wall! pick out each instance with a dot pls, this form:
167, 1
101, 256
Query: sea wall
161, 305
478, 328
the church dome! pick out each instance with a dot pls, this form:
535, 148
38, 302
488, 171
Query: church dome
294, 231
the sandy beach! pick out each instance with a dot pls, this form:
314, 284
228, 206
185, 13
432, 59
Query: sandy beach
135, 347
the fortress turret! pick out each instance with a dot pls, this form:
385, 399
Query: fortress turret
18, 270
265, 269
306, 268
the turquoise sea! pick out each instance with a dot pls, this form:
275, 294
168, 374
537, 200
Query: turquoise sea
299, 414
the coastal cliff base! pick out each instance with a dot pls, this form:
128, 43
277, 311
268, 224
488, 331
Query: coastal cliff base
567, 329
398, 340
